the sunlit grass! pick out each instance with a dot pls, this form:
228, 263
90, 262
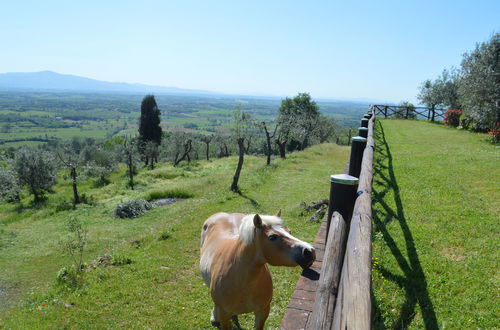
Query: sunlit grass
161, 288
436, 229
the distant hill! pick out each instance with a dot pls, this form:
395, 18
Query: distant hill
53, 81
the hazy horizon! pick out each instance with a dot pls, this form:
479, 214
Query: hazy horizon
367, 51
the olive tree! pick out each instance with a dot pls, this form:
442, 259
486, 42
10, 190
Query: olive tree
9, 184
36, 170
240, 129
479, 87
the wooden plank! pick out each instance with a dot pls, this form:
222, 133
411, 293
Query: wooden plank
353, 307
353, 304
322, 315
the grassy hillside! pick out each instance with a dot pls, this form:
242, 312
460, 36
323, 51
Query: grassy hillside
161, 288
436, 229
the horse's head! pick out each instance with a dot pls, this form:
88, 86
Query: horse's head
277, 244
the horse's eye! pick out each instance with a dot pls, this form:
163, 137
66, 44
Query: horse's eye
273, 237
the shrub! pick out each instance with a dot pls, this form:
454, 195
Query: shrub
172, 193
494, 133
452, 117
164, 236
69, 277
133, 208
107, 259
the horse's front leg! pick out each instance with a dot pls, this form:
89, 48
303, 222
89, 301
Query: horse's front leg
261, 317
214, 318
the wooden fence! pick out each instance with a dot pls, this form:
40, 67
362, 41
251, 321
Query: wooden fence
342, 298
429, 113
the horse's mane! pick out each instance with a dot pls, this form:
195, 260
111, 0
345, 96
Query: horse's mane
247, 226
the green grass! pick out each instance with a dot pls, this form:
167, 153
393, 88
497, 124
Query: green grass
169, 193
436, 229
162, 287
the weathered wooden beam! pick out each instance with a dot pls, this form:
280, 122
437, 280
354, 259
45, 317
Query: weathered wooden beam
324, 303
353, 303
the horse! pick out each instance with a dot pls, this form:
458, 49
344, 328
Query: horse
235, 251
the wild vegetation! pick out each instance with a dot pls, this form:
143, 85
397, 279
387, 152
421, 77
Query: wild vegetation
435, 230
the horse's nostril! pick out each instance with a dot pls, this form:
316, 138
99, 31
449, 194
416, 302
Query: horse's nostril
307, 253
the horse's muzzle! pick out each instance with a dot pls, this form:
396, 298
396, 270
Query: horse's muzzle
307, 257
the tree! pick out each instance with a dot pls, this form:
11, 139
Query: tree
100, 161
128, 151
298, 117
181, 144
207, 139
35, 169
73, 162
149, 127
269, 137
240, 129
327, 128
9, 184
408, 111
479, 88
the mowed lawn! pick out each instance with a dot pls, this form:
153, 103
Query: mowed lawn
162, 287
436, 228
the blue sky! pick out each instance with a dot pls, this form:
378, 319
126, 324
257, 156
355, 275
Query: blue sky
378, 50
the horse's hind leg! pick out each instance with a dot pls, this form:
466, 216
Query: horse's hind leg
261, 317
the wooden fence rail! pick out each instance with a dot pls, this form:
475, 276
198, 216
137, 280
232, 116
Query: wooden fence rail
429, 113
343, 297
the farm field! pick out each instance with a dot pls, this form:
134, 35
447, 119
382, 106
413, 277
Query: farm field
37, 117
162, 287
436, 232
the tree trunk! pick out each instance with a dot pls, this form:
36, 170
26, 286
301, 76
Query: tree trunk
76, 198
208, 146
130, 172
282, 148
268, 138
241, 151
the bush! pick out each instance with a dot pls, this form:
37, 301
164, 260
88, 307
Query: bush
69, 277
164, 236
133, 208
452, 117
494, 133
107, 259
172, 193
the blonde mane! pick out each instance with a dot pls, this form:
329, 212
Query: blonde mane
247, 227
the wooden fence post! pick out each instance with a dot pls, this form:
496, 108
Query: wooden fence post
385, 111
343, 190
358, 145
363, 131
364, 122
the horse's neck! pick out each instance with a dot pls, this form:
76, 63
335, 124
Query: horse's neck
250, 259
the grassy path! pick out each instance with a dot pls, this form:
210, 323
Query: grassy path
436, 228
162, 288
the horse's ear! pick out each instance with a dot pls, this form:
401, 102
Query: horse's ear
257, 221
278, 214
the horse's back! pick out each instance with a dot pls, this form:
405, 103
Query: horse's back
218, 231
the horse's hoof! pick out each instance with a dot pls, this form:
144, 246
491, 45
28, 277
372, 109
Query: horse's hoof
215, 323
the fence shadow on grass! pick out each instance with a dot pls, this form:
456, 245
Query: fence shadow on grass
413, 281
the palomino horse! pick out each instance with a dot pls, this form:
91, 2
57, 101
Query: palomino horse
235, 249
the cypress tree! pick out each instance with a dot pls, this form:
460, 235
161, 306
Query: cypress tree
149, 125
